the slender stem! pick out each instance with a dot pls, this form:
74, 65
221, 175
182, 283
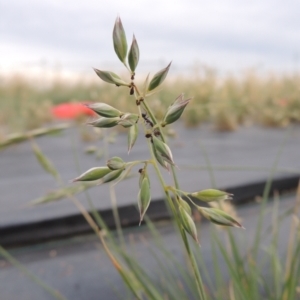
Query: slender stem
137, 90
113, 198
192, 259
293, 227
56, 294
97, 230
149, 111
124, 273
266, 193
99, 233
208, 163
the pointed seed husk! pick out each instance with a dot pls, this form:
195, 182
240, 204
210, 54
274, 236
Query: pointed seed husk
93, 174
188, 223
158, 78
133, 55
144, 197
133, 133
219, 217
119, 40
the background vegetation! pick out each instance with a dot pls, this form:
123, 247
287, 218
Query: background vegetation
227, 102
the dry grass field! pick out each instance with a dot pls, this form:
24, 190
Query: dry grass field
227, 102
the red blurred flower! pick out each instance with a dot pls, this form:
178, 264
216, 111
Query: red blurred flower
71, 110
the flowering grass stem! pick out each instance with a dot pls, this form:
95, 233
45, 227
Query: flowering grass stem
190, 254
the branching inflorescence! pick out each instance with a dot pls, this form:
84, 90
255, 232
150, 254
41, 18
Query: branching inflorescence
116, 169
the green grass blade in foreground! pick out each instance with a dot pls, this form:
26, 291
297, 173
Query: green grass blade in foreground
292, 263
112, 195
275, 258
232, 268
15, 138
266, 194
54, 293
113, 244
209, 165
220, 283
92, 208
169, 203
170, 282
169, 256
146, 282
291, 287
173, 264
235, 259
63, 193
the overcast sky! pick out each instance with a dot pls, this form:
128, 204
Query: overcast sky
77, 35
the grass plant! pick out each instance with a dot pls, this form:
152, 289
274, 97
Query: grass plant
117, 169
177, 281
226, 102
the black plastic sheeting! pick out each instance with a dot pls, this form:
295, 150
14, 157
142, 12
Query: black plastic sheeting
263, 151
55, 228
79, 269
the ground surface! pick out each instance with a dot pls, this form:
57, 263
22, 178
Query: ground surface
22, 179
80, 270
77, 267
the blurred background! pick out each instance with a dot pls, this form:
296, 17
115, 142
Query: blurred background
238, 60
73, 36
240, 63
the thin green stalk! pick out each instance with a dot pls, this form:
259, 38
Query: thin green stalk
291, 254
93, 210
274, 255
192, 260
35, 279
127, 277
169, 276
233, 268
266, 193
209, 166
117, 265
168, 255
113, 198
217, 269
292, 234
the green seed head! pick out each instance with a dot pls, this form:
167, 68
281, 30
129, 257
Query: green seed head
185, 206
104, 110
93, 174
133, 55
112, 176
212, 195
144, 196
158, 78
105, 122
163, 150
119, 40
160, 160
133, 133
175, 110
188, 223
111, 77
219, 217
116, 163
